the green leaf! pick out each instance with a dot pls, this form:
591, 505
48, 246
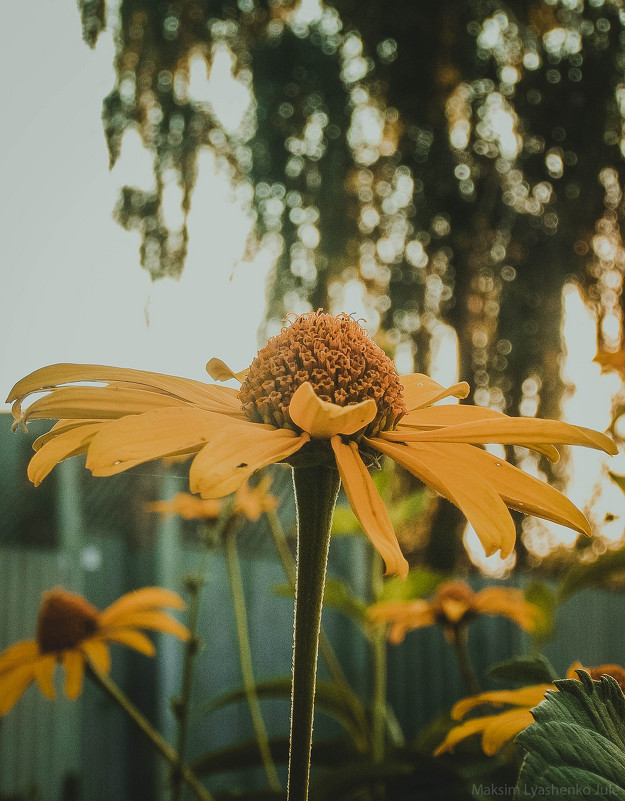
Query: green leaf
521, 671
419, 583
245, 755
542, 596
592, 574
336, 595
577, 744
339, 705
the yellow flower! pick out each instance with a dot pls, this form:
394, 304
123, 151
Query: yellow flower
71, 631
454, 604
250, 502
500, 727
320, 391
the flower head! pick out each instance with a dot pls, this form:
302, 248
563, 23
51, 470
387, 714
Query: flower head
320, 391
499, 728
249, 502
454, 604
71, 631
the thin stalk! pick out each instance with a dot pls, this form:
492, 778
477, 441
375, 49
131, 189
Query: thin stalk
106, 684
181, 705
245, 655
459, 641
378, 642
316, 489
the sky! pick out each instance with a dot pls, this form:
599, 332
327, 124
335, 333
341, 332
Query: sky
73, 289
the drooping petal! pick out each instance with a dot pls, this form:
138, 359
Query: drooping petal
131, 639
74, 666
156, 621
20, 653
420, 390
43, 670
473, 495
139, 601
196, 392
519, 490
503, 728
508, 602
142, 438
511, 431
97, 652
14, 683
220, 371
238, 451
62, 427
322, 419
461, 732
527, 697
368, 506
70, 443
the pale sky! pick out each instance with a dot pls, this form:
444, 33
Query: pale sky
73, 289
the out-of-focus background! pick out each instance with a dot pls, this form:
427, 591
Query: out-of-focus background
451, 173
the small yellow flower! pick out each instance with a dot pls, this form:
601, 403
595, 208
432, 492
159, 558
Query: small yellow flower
500, 727
321, 391
454, 604
71, 631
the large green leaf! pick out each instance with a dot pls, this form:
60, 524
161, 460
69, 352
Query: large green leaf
328, 697
522, 671
592, 574
576, 747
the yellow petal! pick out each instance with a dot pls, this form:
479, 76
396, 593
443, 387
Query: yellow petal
519, 490
503, 728
527, 697
131, 639
139, 601
230, 458
69, 443
403, 616
420, 390
322, 419
142, 438
474, 496
508, 602
43, 670
511, 431
20, 653
74, 665
62, 427
14, 683
156, 621
368, 506
436, 417
97, 652
196, 392
461, 732
221, 372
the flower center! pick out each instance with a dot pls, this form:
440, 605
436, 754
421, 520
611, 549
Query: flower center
65, 619
453, 603
337, 357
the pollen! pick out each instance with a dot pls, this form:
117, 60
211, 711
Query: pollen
65, 619
337, 357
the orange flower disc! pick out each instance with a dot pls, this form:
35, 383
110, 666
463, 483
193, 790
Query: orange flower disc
65, 620
337, 357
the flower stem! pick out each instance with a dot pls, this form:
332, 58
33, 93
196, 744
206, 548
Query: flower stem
194, 586
459, 640
316, 489
379, 670
245, 655
106, 684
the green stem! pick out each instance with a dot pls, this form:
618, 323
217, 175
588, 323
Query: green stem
181, 706
245, 656
106, 684
325, 646
316, 489
459, 640
379, 669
